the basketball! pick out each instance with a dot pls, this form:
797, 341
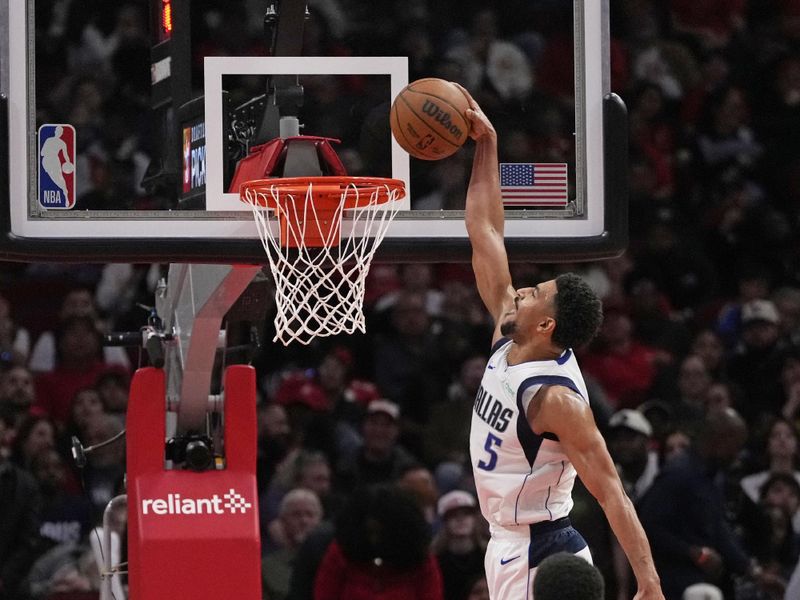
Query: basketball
428, 118
67, 168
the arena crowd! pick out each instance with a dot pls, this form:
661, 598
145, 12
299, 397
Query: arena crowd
702, 312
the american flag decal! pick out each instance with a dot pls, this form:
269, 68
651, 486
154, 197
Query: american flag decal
534, 184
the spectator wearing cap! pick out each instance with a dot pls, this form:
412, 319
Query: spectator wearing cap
460, 543
629, 439
380, 458
629, 443
757, 360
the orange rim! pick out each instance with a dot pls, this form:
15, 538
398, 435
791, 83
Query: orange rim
325, 191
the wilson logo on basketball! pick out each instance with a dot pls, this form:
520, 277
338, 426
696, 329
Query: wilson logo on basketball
442, 117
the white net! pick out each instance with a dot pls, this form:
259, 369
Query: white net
319, 291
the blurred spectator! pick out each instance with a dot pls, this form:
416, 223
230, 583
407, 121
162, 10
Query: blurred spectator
66, 517
463, 323
727, 146
790, 383
446, 436
787, 301
380, 459
305, 469
629, 436
46, 354
380, 551
721, 395
708, 346
307, 561
300, 513
274, 442
15, 341
113, 388
17, 391
676, 444
691, 388
492, 66
415, 278
86, 405
623, 366
105, 467
67, 570
654, 320
418, 481
326, 405
779, 454
35, 435
460, 544
20, 506
756, 363
408, 362
79, 366
564, 576
752, 283
713, 22
768, 532
683, 514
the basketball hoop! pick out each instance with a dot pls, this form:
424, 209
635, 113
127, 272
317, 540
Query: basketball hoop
320, 262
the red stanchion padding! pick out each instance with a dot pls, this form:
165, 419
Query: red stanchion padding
192, 534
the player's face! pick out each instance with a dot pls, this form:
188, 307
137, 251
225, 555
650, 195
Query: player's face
533, 310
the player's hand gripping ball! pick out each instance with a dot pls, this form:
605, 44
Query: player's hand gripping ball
428, 118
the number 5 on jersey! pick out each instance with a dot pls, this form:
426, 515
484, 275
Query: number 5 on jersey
491, 441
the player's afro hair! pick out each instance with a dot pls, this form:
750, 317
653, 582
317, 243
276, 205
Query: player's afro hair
579, 312
564, 576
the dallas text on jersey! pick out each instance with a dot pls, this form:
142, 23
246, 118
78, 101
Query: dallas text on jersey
491, 410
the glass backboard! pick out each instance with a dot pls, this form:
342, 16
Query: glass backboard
123, 147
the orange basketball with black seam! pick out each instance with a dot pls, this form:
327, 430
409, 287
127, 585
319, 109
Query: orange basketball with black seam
428, 118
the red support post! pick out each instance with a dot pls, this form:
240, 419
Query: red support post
192, 534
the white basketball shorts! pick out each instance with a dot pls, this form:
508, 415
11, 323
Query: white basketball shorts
514, 553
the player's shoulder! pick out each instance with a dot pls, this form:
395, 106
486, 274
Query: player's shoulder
560, 397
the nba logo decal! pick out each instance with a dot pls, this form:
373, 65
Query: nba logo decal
56, 166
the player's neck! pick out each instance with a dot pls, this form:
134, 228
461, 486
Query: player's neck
529, 350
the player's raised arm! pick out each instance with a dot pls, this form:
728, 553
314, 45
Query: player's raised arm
484, 216
559, 411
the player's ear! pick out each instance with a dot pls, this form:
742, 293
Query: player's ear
547, 325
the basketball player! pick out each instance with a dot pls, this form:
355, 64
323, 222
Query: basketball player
532, 429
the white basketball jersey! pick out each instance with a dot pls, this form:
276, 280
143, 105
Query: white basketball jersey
521, 478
